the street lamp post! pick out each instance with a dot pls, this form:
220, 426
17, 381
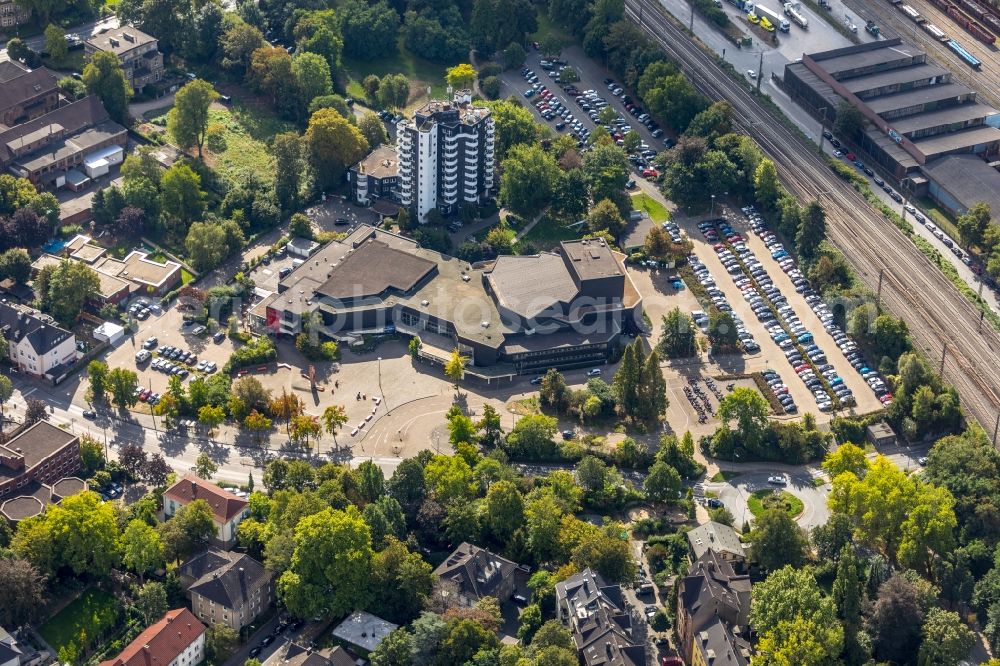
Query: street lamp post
713, 205
381, 393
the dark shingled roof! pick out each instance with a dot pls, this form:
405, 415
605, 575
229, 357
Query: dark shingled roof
225, 578
73, 118
34, 444
16, 88
476, 571
19, 323
598, 617
373, 268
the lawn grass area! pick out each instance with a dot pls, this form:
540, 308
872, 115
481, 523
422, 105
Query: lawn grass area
547, 29
938, 216
656, 211
186, 276
420, 72
767, 498
548, 232
73, 62
719, 477
248, 133
93, 613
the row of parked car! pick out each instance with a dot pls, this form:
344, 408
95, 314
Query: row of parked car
782, 323
843, 341
780, 390
702, 274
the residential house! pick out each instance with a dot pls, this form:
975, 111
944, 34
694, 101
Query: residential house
723, 539
227, 588
138, 53
228, 509
176, 640
376, 177
713, 608
25, 93
12, 14
471, 573
120, 279
10, 651
598, 616
296, 655
36, 345
48, 149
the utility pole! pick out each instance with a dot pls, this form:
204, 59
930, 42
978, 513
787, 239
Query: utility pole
760, 70
944, 352
691, 22
642, 5
995, 429
878, 294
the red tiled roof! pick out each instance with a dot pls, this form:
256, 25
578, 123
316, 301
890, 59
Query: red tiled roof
225, 505
162, 642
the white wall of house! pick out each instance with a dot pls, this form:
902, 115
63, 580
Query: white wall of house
30, 361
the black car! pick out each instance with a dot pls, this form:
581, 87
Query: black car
827, 134
267, 641
835, 143
254, 652
89, 414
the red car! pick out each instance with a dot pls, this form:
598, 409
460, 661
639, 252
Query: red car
719, 247
799, 369
851, 157
144, 395
649, 173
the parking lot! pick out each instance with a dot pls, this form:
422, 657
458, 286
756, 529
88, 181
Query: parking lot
168, 327
592, 78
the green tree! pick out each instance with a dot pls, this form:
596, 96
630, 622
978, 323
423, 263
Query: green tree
461, 428
847, 458
812, 230
778, 541
206, 245
312, 77
848, 594
800, 641
288, 163
849, 121
66, 288
181, 198
607, 170
22, 591
553, 391
151, 601
333, 144
896, 619
80, 533
404, 581
18, 50
205, 467
122, 383
947, 640
677, 340
491, 436
373, 129
528, 176
786, 594
16, 265
749, 409
627, 379
97, 373
503, 511
104, 78
190, 528
449, 478
605, 216
187, 121
972, 224
767, 187
220, 639
142, 549
329, 575
662, 483
334, 418
238, 42
607, 552
55, 43
514, 126
722, 331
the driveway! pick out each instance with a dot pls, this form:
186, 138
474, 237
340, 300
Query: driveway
736, 492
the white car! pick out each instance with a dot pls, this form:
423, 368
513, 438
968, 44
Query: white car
752, 73
594, 372
777, 480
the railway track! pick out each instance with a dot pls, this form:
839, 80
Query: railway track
912, 287
986, 81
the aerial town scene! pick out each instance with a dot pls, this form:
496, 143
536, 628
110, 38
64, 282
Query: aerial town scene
499, 332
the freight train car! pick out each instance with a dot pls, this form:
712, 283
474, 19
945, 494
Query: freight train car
971, 26
969, 59
935, 32
912, 14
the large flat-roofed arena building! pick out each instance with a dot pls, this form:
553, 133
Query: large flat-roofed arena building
564, 308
